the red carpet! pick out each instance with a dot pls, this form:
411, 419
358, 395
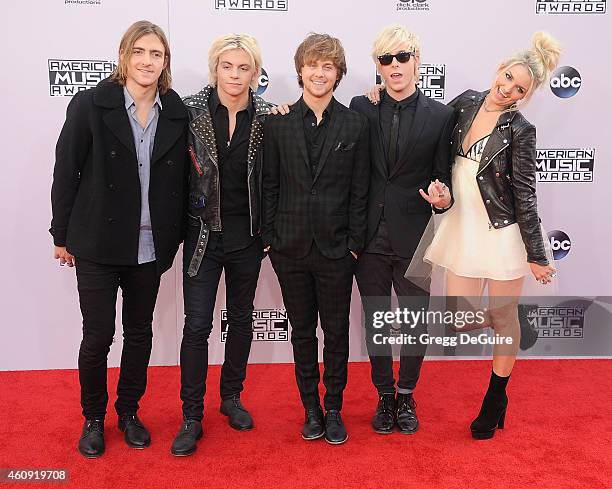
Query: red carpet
558, 432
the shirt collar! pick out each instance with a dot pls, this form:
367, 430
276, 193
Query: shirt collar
306, 110
214, 103
386, 99
129, 101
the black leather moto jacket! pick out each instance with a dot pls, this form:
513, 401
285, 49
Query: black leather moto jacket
204, 182
507, 172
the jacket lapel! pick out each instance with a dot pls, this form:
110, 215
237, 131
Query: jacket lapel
117, 122
497, 142
202, 125
170, 125
466, 117
256, 135
166, 134
108, 94
379, 153
297, 129
335, 124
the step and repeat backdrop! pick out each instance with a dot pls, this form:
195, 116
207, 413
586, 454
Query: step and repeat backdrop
54, 48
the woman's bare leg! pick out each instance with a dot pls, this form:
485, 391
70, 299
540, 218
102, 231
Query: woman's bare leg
464, 294
503, 310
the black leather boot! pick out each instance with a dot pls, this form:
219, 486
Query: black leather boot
185, 441
314, 424
384, 418
239, 417
91, 443
493, 410
335, 431
136, 435
406, 416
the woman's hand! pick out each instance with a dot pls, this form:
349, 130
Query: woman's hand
373, 93
543, 273
437, 194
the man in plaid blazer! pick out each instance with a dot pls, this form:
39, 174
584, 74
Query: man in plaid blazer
315, 189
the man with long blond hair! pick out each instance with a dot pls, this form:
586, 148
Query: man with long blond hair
225, 141
118, 205
315, 186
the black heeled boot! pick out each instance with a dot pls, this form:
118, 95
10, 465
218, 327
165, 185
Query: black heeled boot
493, 410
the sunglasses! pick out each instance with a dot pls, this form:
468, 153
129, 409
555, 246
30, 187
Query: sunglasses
401, 57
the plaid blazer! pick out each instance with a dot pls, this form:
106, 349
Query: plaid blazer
329, 208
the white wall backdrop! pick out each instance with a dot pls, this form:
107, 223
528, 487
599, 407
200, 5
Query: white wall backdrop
40, 318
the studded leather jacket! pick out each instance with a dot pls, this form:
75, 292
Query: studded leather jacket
506, 175
204, 181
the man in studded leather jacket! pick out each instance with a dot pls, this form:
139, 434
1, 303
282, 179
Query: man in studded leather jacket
225, 140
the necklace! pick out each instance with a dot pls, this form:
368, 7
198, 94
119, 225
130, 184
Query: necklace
484, 106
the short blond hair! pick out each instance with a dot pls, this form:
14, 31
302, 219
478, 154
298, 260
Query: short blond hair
392, 36
540, 60
135, 32
230, 42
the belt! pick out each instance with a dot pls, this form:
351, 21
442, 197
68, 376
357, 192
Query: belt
198, 253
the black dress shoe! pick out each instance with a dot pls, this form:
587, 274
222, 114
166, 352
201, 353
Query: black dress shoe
91, 443
384, 418
314, 424
239, 417
405, 413
136, 435
335, 432
185, 442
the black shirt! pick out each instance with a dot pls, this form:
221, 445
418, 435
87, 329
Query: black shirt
314, 133
232, 156
407, 108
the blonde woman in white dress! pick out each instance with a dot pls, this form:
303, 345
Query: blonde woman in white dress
492, 235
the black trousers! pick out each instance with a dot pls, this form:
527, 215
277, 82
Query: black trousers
376, 274
98, 285
312, 287
200, 292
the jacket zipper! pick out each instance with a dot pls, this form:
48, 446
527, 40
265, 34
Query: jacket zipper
491, 159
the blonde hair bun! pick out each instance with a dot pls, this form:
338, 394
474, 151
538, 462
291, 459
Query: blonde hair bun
548, 49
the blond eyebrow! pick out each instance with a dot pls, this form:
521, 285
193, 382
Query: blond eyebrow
232, 64
150, 50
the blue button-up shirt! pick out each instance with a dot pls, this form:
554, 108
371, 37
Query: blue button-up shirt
144, 138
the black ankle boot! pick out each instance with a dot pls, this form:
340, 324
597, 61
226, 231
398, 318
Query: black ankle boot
493, 410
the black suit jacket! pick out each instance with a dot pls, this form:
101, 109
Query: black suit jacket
96, 188
330, 208
426, 155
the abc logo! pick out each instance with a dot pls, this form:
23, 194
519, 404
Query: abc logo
565, 82
262, 82
560, 244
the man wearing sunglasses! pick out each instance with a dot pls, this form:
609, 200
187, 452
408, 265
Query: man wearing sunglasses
410, 151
